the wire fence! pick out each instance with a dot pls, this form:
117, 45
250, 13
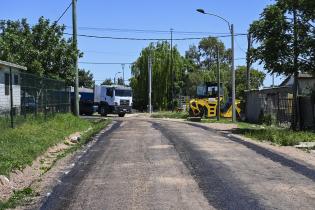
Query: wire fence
279, 110
26, 95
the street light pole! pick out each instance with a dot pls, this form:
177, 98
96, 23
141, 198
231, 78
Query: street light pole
150, 82
233, 75
75, 47
172, 73
231, 29
219, 85
123, 68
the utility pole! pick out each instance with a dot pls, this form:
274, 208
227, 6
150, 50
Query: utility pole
233, 76
150, 82
123, 69
219, 85
75, 47
248, 60
295, 124
172, 73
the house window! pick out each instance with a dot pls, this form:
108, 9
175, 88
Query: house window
16, 79
6, 84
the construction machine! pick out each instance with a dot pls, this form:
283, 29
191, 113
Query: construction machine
206, 103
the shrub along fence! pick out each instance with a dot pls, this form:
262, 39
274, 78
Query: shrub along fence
28, 95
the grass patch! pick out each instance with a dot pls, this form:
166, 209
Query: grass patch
276, 135
174, 115
97, 126
284, 137
214, 120
19, 198
22, 197
20, 146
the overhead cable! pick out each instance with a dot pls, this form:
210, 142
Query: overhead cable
149, 39
64, 13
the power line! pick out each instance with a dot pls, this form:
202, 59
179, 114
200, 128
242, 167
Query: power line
104, 63
64, 12
146, 31
110, 52
239, 46
149, 39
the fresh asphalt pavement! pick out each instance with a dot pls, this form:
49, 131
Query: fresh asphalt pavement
157, 164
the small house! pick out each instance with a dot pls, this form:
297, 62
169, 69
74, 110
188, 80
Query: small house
10, 81
278, 101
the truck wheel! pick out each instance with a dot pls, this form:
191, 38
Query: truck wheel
103, 111
121, 115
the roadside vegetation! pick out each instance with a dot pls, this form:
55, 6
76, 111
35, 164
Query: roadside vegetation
267, 132
20, 146
264, 132
169, 114
21, 196
280, 136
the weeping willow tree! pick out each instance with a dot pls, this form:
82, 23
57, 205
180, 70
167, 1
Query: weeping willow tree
162, 79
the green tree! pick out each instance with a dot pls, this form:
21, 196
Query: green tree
285, 36
86, 79
120, 81
256, 80
42, 48
201, 63
107, 81
205, 55
162, 79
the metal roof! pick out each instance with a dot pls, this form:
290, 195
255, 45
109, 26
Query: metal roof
13, 65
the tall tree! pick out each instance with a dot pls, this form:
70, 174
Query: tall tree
42, 48
161, 76
107, 81
256, 80
86, 79
285, 36
202, 64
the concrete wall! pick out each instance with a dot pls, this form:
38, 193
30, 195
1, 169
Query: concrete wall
266, 101
253, 107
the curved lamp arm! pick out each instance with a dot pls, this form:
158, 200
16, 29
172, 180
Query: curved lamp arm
211, 14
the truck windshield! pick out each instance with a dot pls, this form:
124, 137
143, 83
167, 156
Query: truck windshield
125, 93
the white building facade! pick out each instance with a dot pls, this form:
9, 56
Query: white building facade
10, 74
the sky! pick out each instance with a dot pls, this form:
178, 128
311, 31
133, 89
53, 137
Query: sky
100, 17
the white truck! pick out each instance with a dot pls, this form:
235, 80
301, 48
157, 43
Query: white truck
113, 99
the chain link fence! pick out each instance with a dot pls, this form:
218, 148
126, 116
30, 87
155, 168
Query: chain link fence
30, 96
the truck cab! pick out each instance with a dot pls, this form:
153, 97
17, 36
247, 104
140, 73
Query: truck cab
113, 99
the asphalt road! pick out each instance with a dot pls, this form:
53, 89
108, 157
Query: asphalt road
156, 164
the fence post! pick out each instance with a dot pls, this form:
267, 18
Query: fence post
11, 99
278, 111
24, 104
45, 108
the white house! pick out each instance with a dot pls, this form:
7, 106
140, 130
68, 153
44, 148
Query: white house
5, 93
